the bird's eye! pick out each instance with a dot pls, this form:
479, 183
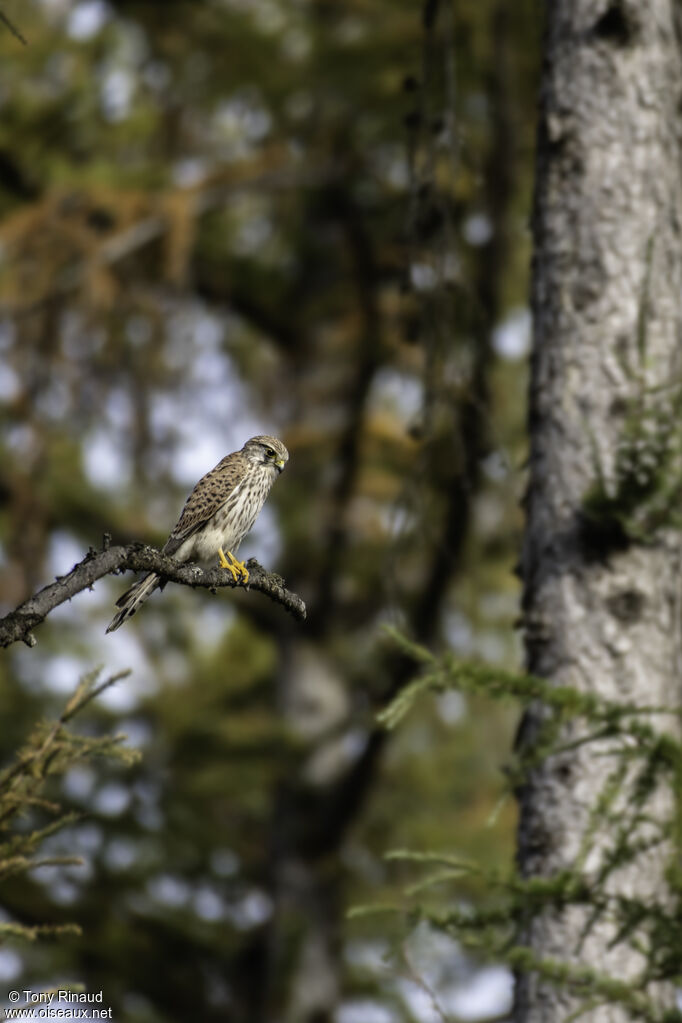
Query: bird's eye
270, 452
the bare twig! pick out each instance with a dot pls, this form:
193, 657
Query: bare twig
13, 29
18, 624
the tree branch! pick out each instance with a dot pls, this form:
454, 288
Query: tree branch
18, 624
13, 29
209, 195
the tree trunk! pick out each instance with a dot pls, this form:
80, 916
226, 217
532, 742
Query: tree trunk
602, 610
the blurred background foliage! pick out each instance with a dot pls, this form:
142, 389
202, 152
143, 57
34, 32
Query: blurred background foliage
308, 218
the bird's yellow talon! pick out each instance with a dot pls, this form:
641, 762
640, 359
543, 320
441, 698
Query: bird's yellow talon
238, 569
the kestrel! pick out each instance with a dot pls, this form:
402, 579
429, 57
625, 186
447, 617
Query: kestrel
217, 515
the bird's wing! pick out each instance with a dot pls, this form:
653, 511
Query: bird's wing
210, 493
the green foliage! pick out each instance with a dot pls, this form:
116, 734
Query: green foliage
643, 493
29, 815
644, 759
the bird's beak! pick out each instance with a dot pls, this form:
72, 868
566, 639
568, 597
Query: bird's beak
280, 464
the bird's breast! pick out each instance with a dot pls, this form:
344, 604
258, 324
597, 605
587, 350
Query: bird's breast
228, 526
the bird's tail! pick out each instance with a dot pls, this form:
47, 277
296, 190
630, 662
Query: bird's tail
131, 600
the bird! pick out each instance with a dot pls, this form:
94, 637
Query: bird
217, 515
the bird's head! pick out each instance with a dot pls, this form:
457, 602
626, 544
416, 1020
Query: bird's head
268, 451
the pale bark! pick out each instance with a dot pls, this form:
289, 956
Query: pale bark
607, 252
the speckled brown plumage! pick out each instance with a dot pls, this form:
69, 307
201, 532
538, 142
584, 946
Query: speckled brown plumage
217, 515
